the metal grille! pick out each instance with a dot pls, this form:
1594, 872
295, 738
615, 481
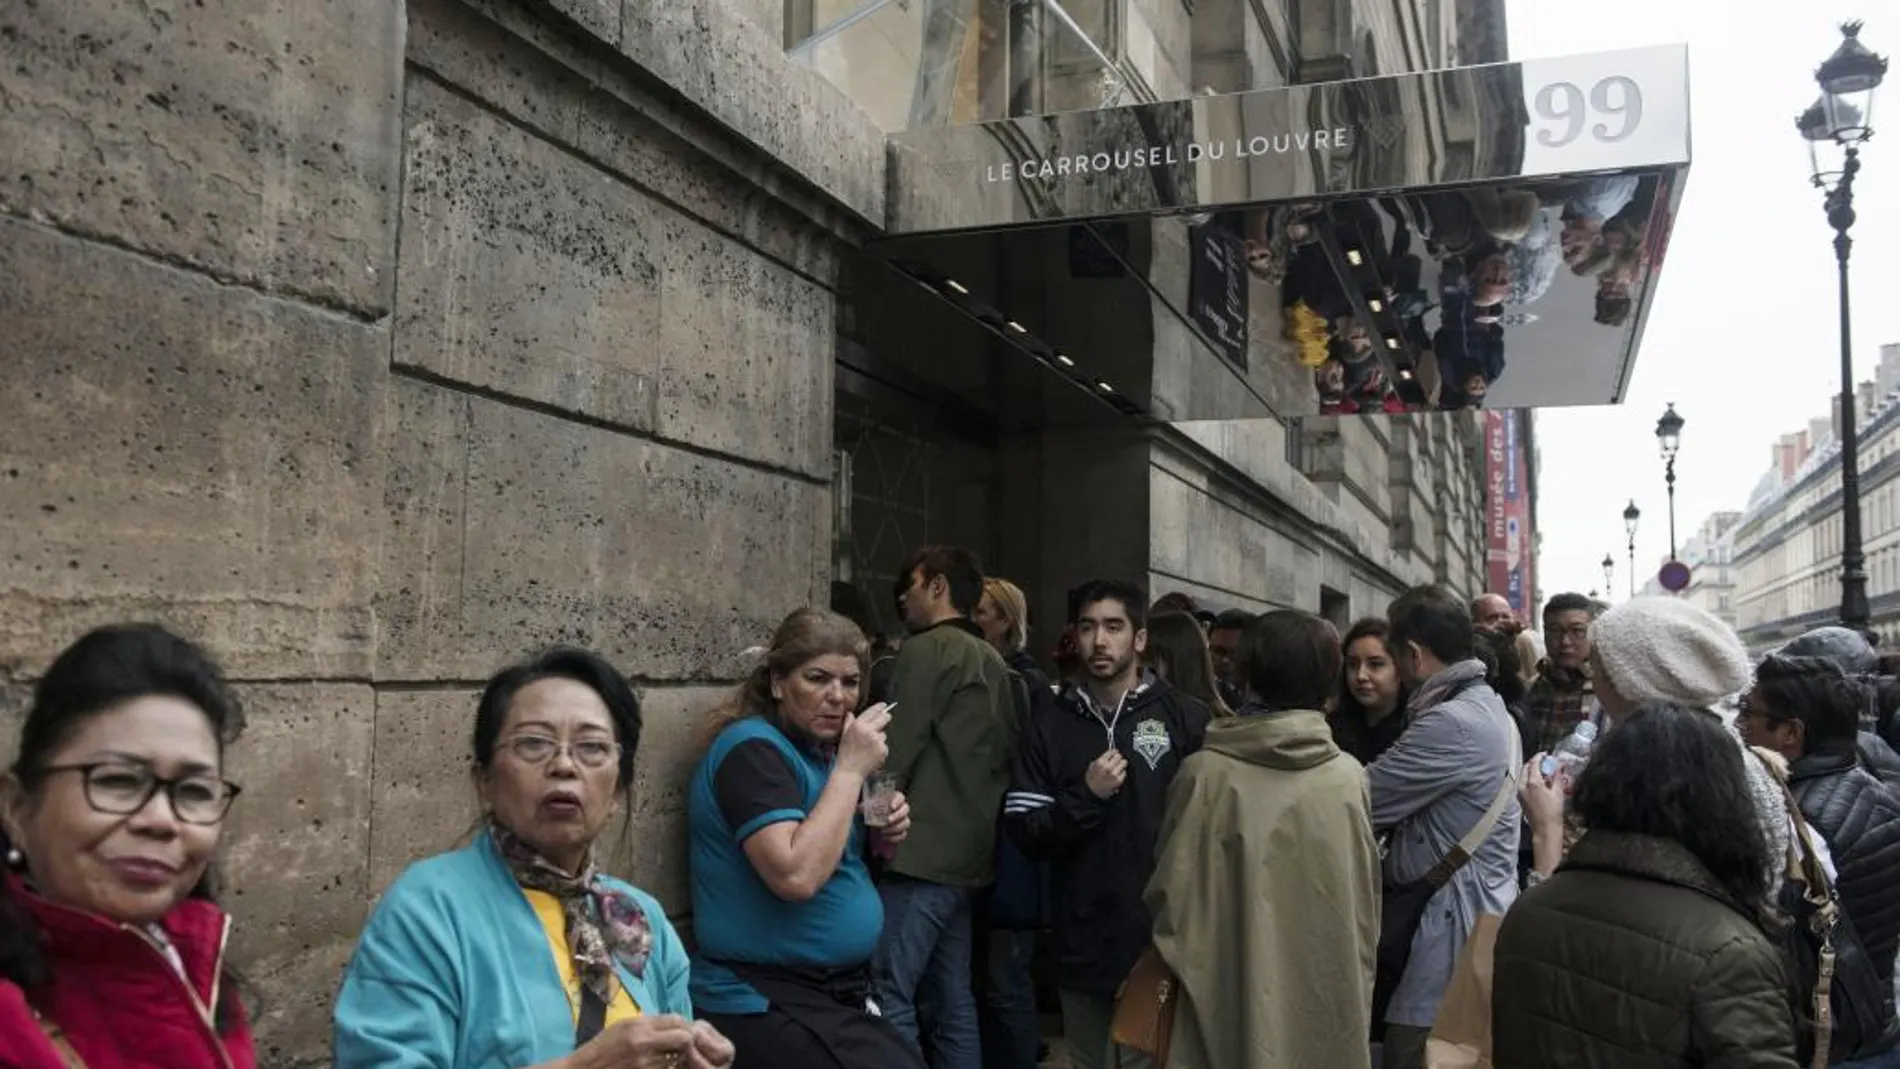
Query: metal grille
903, 483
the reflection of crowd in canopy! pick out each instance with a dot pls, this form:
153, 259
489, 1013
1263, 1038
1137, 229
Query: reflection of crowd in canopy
1427, 283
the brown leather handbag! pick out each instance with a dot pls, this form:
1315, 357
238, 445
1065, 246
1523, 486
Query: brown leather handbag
1144, 1009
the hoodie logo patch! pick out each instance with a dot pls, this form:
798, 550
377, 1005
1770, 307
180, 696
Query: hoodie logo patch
1152, 742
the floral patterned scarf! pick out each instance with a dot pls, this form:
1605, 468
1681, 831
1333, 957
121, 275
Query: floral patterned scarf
605, 925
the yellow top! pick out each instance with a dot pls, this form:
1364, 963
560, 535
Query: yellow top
548, 909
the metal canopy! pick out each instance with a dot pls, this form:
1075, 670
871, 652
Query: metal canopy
1486, 236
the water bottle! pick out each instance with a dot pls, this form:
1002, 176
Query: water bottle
1563, 763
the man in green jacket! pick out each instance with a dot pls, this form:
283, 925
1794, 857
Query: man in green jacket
952, 739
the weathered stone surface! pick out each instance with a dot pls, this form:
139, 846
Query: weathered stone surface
425, 803
717, 54
514, 61
257, 140
1195, 535
511, 530
673, 739
13, 699
422, 800
599, 17
296, 853
186, 452
532, 273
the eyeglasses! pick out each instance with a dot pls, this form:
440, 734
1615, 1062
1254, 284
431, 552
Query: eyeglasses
1574, 634
122, 789
539, 749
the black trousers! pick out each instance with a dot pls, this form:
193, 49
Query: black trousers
812, 1022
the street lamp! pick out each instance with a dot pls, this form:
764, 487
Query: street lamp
1835, 127
1669, 433
1609, 568
1630, 516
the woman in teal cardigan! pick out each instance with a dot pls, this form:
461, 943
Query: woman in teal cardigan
515, 951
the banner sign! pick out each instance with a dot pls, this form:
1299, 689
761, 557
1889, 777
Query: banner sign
1602, 112
1509, 541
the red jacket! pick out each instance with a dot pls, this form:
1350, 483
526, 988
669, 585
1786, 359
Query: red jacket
117, 997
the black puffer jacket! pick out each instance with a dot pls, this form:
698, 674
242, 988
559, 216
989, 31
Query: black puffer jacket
1880, 759
1859, 817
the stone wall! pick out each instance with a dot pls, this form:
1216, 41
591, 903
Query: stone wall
376, 345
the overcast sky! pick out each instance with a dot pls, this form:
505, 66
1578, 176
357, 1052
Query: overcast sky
1743, 333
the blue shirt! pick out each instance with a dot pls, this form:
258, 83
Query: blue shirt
754, 777
454, 972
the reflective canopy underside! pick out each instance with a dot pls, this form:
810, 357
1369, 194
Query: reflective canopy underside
1487, 236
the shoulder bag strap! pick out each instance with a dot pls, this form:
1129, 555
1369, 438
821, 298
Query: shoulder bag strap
1803, 866
54, 1035
1448, 866
1803, 863
592, 1017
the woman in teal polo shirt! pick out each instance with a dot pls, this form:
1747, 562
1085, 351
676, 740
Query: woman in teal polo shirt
783, 906
515, 951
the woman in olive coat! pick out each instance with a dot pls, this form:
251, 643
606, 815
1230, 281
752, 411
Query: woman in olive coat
1649, 947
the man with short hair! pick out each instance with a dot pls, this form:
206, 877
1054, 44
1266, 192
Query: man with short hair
952, 737
1560, 698
1491, 612
1223, 643
1089, 794
1807, 709
1850, 651
1455, 761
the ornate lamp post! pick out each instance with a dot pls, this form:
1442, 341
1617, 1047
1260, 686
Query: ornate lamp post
1669, 434
1630, 516
1835, 127
1609, 568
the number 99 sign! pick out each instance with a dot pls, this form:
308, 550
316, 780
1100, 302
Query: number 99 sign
1612, 110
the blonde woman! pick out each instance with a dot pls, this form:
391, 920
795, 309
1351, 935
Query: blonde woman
1016, 905
784, 908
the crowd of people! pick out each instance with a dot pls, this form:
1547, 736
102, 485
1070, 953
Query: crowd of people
1226, 840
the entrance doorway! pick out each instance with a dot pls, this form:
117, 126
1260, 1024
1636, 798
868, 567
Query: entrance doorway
911, 471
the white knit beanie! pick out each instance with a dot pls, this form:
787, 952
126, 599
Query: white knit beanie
1665, 649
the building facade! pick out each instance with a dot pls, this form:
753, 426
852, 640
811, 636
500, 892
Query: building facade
376, 345
1710, 555
1787, 544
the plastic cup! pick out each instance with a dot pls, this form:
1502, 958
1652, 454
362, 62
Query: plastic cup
880, 790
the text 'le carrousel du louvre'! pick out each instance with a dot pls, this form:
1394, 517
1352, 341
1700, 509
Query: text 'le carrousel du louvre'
1125, 159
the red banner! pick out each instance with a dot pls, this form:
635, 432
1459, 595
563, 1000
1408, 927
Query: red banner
1509, 542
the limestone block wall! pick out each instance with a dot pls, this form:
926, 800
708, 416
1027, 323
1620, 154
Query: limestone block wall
1233, 521
378, 344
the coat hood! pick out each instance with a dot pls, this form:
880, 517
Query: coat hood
1293, 740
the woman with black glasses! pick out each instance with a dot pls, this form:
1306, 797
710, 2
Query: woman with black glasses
111, 944
516, 950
